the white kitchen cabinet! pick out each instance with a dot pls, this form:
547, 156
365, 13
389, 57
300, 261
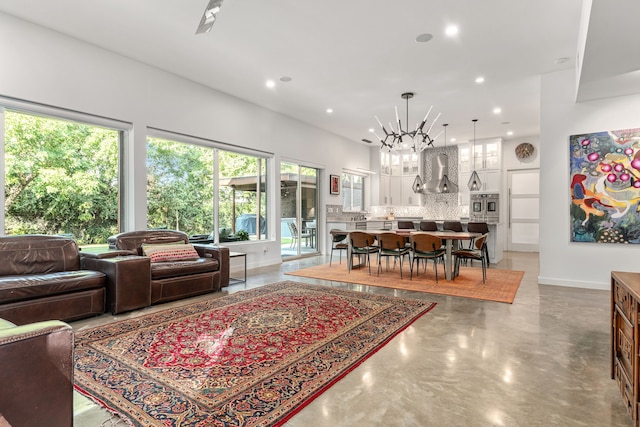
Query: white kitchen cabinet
395, 190
464, 159
385, 182
397, 173
486, 160
486, 154
409, 198
490, 181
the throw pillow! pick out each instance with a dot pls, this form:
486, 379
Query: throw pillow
170, 252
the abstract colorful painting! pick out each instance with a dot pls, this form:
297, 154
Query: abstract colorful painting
605, 186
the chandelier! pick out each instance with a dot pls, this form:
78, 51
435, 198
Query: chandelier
395, 138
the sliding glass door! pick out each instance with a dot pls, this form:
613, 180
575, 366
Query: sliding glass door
298, 201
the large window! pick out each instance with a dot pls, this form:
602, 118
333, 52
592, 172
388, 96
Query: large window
243, 196
182, 191
352, 192
60, 177
179, 186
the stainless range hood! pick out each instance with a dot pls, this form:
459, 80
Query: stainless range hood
439, 170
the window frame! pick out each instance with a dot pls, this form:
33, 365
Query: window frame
216, 146
124, 130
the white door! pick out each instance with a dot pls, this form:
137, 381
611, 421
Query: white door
523, 210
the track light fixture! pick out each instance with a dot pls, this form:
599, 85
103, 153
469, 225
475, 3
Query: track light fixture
209, 16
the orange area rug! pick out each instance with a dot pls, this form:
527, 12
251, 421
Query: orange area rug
500, 286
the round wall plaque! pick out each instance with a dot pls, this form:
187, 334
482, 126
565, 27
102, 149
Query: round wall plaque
524, 150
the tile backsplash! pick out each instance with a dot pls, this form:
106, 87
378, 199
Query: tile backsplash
437, 206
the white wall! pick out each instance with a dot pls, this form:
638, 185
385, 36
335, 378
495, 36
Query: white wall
509, 159
46, 67
562, 262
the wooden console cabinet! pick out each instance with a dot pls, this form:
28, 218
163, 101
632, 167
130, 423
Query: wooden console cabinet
625, 339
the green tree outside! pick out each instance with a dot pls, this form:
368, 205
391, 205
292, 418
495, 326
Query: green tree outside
61, 177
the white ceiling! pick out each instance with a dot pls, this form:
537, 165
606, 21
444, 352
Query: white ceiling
357, 56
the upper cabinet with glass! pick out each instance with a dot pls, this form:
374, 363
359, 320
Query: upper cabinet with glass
486, 154
485, 160
397, 172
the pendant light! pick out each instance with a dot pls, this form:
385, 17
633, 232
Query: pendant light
474, 183
417, 184
446, 185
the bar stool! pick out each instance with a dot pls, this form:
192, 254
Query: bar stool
452, 226
406, 225
428, 226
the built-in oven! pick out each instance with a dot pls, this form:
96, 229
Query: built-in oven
484, 207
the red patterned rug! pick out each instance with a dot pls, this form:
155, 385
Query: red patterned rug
252, 358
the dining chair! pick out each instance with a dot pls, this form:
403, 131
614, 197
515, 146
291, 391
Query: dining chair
452, 226
406, 225
428, 226
338, 243
293, 229
363, 245
479, 227
392, 245
472, 254
425, 247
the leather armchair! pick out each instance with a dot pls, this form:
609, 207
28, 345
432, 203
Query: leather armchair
36, 374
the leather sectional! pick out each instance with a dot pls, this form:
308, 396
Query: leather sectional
41, 279
47, 277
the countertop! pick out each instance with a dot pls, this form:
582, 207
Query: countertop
438, 221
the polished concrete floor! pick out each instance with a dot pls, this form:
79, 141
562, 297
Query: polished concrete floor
541, 361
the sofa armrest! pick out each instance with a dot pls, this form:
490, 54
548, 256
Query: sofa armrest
106, 254
221, 253
36, 374
128, 280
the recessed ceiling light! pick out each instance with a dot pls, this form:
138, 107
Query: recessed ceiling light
510, 133
423, 38
270, 83
371, 130
329, 110
451, 30
480, 79
285, 79
497, 110
453, 140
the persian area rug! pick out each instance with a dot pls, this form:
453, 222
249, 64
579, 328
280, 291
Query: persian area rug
252, 358
500, 286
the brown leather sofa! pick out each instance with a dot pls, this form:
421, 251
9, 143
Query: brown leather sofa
36, 374
166, 281
41, 279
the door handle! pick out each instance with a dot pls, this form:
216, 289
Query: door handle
509, 201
